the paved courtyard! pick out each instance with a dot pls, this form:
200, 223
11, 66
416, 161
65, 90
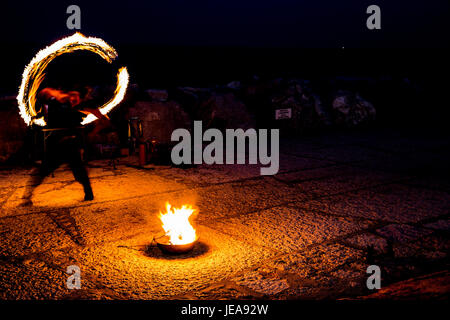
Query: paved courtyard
340, 202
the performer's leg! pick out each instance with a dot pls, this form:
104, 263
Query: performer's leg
78, 169
80, 174
37, 176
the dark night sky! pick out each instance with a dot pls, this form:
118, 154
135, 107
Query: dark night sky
200, 42
273, 23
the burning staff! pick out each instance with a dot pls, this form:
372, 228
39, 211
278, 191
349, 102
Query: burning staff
64, 111
33, 75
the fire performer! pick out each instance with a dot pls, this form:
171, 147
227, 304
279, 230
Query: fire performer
63, 112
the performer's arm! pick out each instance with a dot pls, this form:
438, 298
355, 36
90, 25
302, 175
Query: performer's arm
95, 112
100, 125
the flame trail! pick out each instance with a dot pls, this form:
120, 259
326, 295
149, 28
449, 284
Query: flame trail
33, 75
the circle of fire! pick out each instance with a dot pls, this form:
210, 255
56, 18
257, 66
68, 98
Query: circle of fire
33, 75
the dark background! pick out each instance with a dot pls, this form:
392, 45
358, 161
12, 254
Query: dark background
250, 23
204, 43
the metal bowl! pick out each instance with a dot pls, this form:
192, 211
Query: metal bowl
166, 247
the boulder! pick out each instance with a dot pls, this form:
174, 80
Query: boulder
234, 85
350, 109
307, 109
189, 98
159, 119
157, 95
216, 109
224, 111
13, 129
322, 111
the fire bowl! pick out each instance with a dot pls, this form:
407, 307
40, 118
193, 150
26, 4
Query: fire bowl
166, 247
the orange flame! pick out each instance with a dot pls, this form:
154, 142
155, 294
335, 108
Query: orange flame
33, 75
175, 222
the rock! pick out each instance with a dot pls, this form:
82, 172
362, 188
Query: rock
235, 85
159, 119
223, 111
189, 98
157, 95
216, 109
350, 109
307, 110
321, 111
12, 128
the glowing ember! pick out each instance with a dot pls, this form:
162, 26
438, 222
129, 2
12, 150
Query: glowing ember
175, 222
33, 75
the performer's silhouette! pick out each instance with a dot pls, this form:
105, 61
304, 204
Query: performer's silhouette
63, 113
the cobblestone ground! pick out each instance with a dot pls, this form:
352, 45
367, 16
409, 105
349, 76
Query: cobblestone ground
340, 203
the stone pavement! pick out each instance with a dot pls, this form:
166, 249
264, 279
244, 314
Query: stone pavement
340, 203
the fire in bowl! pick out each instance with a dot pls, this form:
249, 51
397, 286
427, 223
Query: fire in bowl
166, 246
179, 235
